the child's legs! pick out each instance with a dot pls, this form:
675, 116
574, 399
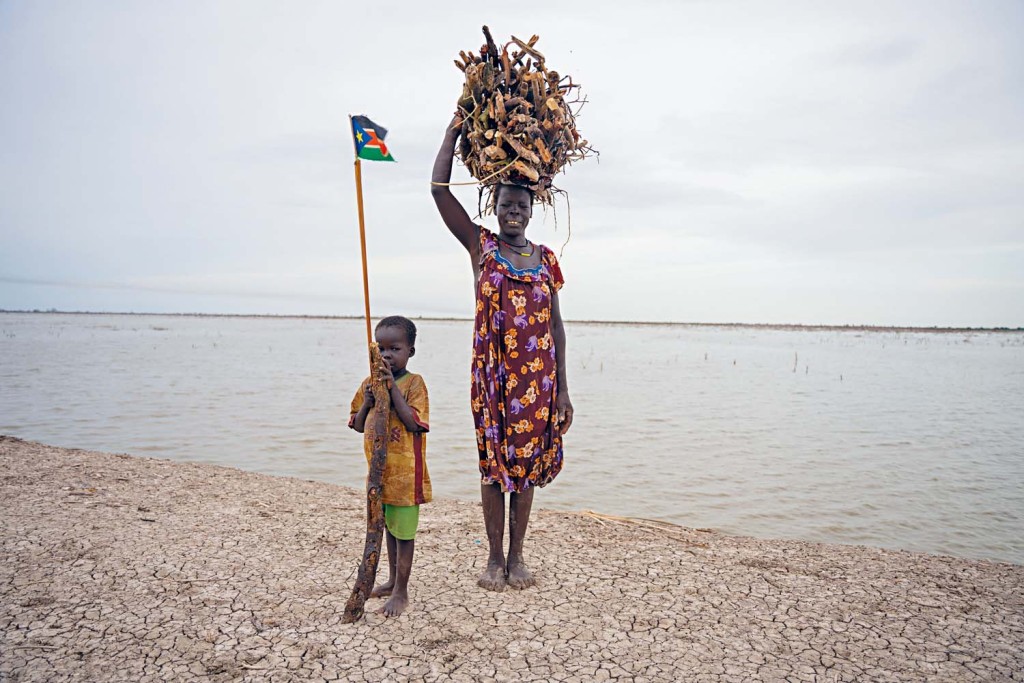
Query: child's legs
399, 599
392, 555
406, 550
402, 523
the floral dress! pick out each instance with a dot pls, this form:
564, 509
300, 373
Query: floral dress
514, 370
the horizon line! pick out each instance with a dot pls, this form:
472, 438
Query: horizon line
851, 327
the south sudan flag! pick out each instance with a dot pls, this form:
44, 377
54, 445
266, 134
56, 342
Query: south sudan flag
369, 139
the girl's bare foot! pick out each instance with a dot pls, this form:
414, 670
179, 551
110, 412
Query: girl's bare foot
383, 590
519, 576
493, 578
396, 605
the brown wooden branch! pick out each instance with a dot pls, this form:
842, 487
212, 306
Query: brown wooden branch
374, 507
492, 49
508, 109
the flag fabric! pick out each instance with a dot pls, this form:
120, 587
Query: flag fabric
369, 139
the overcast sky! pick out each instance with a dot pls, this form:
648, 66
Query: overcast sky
778, 162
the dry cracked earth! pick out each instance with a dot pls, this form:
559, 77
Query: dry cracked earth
119, 568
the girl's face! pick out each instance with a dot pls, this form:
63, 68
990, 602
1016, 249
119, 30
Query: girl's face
395, 348
513, 206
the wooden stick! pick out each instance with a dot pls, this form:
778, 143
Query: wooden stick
362, 245
374, 506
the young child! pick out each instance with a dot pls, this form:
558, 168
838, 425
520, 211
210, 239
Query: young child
406, 483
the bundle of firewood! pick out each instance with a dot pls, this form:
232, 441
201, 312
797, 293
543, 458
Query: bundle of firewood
518, 127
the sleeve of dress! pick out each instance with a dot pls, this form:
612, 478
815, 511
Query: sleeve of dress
556, 271
357, 403
419, 402
487, 242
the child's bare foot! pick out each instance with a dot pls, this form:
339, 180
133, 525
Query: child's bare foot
396, 605
383, 590
519, 576
493, 578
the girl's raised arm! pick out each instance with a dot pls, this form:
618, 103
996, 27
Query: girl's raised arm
454, 216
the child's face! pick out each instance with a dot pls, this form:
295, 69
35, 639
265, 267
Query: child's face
395, 348
513, 208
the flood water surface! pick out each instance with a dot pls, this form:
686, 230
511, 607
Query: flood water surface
893, 439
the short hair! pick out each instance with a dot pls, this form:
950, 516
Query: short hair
513, 186
400, 321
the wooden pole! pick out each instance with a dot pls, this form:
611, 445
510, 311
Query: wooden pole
362, 246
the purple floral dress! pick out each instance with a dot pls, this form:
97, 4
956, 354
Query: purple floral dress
514, 370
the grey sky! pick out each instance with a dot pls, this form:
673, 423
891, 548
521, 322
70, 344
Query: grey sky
760, 161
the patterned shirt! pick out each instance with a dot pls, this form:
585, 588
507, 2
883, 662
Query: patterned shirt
406, 480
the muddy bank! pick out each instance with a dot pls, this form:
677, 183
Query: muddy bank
124, 568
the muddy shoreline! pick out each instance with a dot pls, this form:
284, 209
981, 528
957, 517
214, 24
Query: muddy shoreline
119, 567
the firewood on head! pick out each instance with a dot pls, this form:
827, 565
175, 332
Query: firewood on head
517, 126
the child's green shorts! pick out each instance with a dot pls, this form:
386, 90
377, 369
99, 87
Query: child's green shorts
402, 520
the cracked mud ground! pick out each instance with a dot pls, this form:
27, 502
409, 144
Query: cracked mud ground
124, 568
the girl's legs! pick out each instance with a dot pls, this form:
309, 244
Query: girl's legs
520, 505
384, 589
493, 500
400, 594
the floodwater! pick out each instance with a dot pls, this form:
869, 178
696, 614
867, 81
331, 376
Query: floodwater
910, 440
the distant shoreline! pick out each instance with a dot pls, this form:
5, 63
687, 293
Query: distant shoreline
793, 327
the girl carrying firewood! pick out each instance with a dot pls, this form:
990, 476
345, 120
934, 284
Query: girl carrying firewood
520, 398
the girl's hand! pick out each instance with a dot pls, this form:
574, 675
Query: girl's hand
563, 408
456, 124
368, 400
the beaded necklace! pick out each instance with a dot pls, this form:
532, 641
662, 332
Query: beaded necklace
516, 247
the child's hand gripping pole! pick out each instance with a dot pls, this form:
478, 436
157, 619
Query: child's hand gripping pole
380, 386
